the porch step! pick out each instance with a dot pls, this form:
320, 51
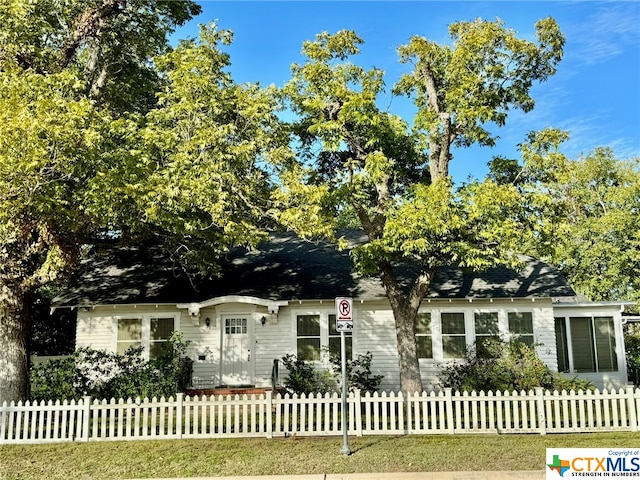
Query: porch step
250, 390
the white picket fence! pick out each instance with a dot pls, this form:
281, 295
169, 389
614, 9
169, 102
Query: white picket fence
266, 415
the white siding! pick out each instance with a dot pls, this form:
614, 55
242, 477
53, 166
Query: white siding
97, 326
204, 346
544, 335
273, 341
374, 331
96, 329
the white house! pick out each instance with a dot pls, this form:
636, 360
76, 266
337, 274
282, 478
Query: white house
279, 299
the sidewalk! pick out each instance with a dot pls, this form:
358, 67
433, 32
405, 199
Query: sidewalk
518, 475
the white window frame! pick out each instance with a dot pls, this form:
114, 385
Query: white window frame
324, 332
514, 336
431, 335
469, 324
499, 324
566, 319
468, 331
145, 328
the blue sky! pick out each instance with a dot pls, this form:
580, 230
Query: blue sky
595, 95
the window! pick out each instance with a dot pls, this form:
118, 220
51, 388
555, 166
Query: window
161, 330
605, 342
317, 337
129, 334
586, 344
562, 350
235, 326
454, 343
521, 327
423, 336
334, 339
151, 332
308, 337
486, 326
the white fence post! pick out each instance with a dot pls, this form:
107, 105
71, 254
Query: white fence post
3, 421
269, 398
86, 418
179, 411
542, 419
448, 405
358, 412
408, 418
631, 408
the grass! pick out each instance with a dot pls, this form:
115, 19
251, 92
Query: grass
292, 456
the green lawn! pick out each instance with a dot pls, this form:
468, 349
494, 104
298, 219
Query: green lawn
192, 458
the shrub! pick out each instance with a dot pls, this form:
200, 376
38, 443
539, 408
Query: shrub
305, 378
102, 374
358, 370
632, 352
54, 380
505, 366
174, 365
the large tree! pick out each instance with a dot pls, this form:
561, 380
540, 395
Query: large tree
601, 251
592, 204
394, 179
105, 133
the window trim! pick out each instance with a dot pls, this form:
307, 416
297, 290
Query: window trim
469, 315
430, 335
568, 342
145, 328
479, 338
467, 332
513, 335
311, 337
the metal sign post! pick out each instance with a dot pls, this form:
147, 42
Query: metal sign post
344, 322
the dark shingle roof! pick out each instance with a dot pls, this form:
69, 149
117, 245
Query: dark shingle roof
283, 268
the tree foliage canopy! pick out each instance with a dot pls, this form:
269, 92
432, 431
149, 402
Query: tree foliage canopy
459, 89
586, 213
106, 132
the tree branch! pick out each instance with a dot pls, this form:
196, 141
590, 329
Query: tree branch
88, 26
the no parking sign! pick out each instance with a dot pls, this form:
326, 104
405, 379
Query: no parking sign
344, 314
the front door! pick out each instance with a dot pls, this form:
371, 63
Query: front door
236, 350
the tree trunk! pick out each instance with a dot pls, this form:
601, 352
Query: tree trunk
405, 317
15, 321
440, 147
405, 312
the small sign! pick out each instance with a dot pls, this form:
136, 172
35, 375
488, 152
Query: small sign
344, 314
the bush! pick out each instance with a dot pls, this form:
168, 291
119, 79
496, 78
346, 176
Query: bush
505, 366
305, 378
632, 352
55, 379
358, 370
102, 374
